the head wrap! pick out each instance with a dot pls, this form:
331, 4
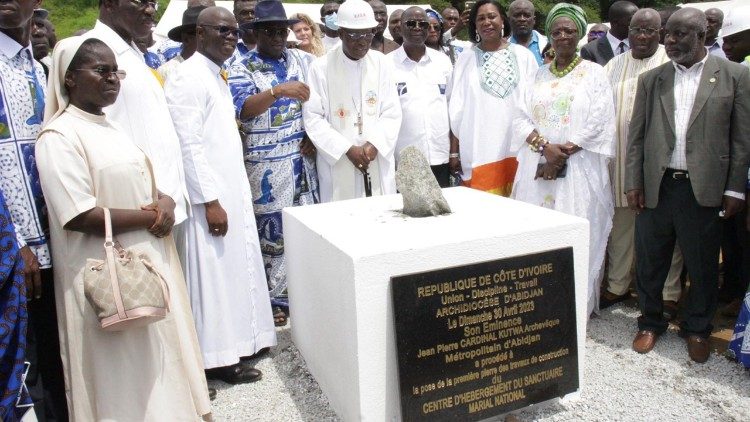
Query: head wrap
567, 10
433, 14
57, 97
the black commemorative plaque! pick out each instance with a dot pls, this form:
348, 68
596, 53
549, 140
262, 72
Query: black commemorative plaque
484, 339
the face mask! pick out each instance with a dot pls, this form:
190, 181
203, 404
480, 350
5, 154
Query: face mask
331, 22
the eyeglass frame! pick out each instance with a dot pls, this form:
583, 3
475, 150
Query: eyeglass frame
144, 4
569, 33
413, 23
357, 36
224, 30
634, 30
103, 73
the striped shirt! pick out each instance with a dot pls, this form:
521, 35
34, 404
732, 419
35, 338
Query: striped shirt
686, 83
623, 72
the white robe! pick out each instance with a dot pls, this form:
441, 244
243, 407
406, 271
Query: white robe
226, 279
332, 145
141, 111
577, 108
482, 122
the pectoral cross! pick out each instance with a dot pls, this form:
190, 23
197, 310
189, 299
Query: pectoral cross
359, 123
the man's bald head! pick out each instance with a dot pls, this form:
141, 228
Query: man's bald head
644, 33
521, 16
520, 3
212, 15
415, 36
646, 16
394, 25
685, 36
450, 17
693, 18
216, 34
204, 3
410, 13
714, 21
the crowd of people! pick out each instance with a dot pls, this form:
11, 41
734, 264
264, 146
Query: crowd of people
189, 148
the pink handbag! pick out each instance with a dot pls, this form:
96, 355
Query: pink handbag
125, 289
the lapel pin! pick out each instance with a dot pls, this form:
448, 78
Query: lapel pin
712, 80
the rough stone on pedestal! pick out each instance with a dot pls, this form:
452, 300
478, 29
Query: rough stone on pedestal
418, 186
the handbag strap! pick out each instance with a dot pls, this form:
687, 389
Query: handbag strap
107, 228
109, 250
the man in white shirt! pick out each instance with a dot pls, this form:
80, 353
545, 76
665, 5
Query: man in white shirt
353, 114
328, 15
616, 41
421, 75
226, 279
715, 19
141, 109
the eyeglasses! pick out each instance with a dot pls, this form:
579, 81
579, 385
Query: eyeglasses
224, 30
356, 36
634, 30
598, 33
105, 72
434, 27
274, 32
145, 4
564, 33
416, 23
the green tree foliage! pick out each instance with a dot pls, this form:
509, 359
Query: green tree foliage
71, 15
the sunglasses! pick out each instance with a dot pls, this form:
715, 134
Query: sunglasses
224, 30
434, 27
105, 72
416, 23
274, 32
145, 4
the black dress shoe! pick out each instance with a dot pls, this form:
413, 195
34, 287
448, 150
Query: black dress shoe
609, 299
234, 374
211, 393
262, 352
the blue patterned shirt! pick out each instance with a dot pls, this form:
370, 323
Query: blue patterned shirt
22, 84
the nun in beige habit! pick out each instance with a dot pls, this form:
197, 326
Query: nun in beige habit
149, 373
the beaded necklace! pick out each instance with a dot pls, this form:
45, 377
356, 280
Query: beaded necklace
569, 68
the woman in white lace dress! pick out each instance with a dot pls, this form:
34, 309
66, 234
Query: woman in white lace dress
564, 136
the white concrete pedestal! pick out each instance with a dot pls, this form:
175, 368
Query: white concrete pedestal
341, 256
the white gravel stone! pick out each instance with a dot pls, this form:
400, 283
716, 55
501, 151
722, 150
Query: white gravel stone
620, 385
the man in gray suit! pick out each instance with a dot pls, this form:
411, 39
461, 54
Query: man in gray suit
615, 42
687, 161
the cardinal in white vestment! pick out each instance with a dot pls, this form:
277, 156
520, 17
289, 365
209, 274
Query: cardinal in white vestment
353, 114
226, 279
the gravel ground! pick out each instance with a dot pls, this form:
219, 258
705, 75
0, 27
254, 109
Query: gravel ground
620, 384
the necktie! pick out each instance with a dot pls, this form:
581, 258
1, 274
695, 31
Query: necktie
224, 75
622, 47
35, 88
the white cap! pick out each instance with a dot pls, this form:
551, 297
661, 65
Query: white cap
736, 21
356, 14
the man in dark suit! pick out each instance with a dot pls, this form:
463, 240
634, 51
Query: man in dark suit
686, 168
615, 42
